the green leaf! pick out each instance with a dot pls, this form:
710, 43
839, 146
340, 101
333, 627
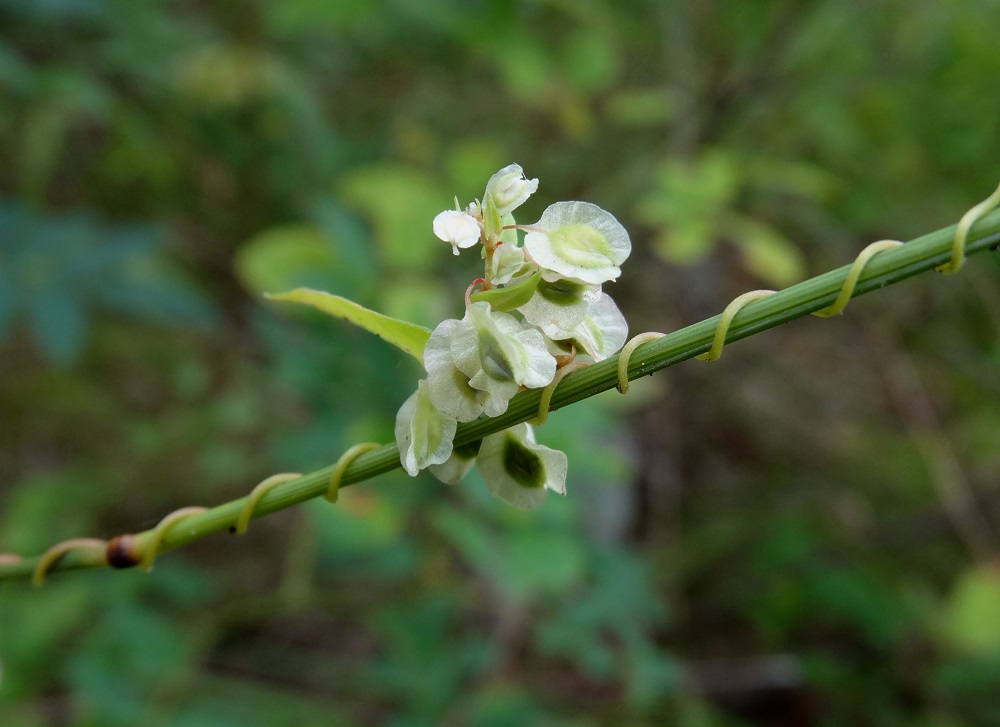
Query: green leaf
400, 202
491, 218
404, 335
768, 254
285, 257
971, 624
510, 297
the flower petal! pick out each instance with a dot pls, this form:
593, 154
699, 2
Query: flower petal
509, 188
603, 330
448, 388
423, 434
508, 259
518, 470
579, 241
500, 347
559, 306
458, 465
457, 227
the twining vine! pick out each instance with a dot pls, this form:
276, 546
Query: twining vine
879, 264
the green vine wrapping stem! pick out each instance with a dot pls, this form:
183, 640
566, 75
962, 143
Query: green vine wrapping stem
934, 250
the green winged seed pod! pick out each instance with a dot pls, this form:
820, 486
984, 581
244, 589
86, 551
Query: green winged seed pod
559, 306
459, 463
518, 470
423, 433
579, 241
499, 354
602, 332
447, 387
508, 260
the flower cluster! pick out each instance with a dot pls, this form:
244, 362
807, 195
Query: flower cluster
538, 306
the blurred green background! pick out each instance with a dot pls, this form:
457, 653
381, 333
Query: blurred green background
801, 534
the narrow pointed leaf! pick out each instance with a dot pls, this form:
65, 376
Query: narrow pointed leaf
406, 336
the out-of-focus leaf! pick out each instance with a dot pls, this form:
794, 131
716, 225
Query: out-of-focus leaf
286, 257
972, 617
641, 107
45, 623
425, 301
227, 75
472, 538
124, 655
401, 202
769, 255
58, 323
8, 303
297, 16
543, 562
590, 60
406, 336
652, 674
472, 161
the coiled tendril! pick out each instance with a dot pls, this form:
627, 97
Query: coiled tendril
962, 230
156, 536
342, 464
959, 241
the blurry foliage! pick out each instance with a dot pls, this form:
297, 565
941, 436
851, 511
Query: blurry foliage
166, 162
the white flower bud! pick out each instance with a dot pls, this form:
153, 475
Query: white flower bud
509, 188
458, 228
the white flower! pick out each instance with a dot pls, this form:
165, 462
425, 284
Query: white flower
603, 329
458, 465
579, 241
499, 354
509, 188
519, 471
558, 307
457, 227
423, 434
447, 387
508, 259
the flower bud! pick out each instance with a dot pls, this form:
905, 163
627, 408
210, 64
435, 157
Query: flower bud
457, 227
509, 188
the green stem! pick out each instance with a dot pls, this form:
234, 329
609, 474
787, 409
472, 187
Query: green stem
890, 266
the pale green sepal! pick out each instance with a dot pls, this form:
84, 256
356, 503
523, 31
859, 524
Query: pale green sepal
406, 336
518, 470
498, 350
559, 306
459, 463
509, 235
603, 330
509, 188
579, 241
448, 388
508, 262
492, 223
511, 297
423, 434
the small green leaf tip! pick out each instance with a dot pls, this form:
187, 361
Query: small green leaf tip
406, 336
